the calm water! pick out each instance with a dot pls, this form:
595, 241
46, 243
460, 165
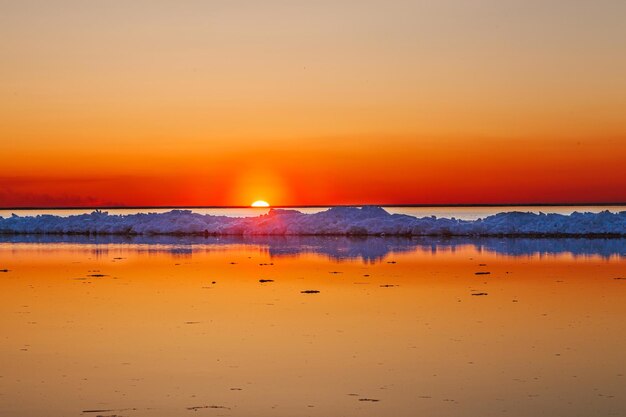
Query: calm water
175, 327
465, 213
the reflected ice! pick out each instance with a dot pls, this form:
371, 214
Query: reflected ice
367, 249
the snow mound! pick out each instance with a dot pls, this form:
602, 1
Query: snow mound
367, 220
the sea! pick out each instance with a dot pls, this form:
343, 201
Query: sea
458, 212
303, 326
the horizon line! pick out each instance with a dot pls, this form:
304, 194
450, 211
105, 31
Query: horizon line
116, 207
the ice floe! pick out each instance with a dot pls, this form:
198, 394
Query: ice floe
368, 220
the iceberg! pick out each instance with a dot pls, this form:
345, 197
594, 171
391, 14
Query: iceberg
339, 221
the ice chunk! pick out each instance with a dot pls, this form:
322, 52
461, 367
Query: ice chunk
369, 220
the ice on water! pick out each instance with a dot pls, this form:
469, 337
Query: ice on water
368, 220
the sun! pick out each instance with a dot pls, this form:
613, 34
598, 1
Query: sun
260, 203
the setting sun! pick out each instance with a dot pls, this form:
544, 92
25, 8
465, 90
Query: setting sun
447, 206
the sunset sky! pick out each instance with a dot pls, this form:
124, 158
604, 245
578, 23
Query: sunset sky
143, 103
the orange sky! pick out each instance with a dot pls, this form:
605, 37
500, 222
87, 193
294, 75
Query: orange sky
304, 103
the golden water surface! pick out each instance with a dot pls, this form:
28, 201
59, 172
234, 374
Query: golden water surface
168, 330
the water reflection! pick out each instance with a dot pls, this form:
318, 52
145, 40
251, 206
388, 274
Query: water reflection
160, 327
367, 249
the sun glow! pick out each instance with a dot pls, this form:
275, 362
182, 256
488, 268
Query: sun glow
260, 203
